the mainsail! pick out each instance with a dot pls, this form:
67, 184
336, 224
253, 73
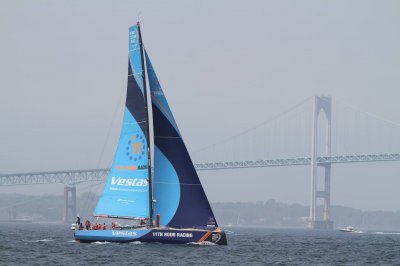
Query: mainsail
126, 192
178, 195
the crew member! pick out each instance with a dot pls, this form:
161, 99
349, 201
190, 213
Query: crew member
87, 224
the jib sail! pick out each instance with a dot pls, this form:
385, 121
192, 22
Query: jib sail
178, 195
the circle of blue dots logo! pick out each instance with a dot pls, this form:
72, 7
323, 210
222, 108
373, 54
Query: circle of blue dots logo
135, 148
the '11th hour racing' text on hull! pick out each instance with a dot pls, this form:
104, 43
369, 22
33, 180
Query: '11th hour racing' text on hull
171, 236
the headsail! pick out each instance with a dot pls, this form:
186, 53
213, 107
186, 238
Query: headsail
178, 194
126, 192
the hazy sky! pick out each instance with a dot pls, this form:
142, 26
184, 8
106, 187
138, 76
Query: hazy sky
225, 66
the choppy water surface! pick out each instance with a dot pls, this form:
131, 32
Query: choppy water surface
38, 244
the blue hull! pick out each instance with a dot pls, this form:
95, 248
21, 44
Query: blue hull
167, 236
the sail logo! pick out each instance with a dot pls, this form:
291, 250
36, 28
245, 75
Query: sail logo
131, 167
135, 148
129, 182
123, 233
215, 238
133, 37
211, 222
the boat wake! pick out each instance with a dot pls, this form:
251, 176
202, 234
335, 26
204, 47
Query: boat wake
204, 243
387, 233
136, 242
43, 240
100, 243
39, 240
228, 232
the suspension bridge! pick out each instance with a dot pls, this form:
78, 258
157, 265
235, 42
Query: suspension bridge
294, 137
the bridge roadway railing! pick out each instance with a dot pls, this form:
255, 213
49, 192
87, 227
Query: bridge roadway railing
360, 158
69, 177
73, 177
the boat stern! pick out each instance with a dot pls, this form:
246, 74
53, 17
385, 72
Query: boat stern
218, 238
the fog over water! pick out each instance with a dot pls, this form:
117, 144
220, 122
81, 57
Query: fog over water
225, 66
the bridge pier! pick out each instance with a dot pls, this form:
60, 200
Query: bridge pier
327, 194
69, 204
314, 222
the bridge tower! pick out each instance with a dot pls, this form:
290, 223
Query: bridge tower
323, 104
69, 204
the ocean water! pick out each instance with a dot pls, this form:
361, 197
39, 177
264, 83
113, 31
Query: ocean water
39, 244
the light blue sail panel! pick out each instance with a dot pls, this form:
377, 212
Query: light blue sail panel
166, 188
135, 55
126, 193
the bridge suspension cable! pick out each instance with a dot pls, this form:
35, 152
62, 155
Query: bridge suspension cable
281, 140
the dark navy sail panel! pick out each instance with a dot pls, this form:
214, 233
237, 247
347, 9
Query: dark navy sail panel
173, 169
126, 192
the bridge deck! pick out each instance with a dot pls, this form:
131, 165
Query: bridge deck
79, 176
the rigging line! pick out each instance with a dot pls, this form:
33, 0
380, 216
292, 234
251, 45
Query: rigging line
368, 113
109, 128
85, 203
177, 183
92, 185
138, 122
136, 75
166, 137
257, 126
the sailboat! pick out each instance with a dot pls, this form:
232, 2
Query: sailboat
168, 199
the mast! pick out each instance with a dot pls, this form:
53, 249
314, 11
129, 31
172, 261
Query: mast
147, 128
